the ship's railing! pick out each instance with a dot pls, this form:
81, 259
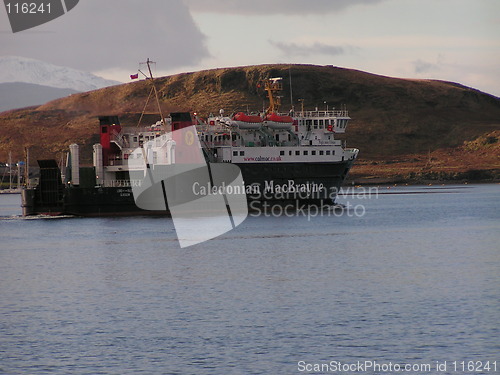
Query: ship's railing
121, 183
113, 162
217, 127
329, 113
135, 137
142, 129
119, 139
326, 142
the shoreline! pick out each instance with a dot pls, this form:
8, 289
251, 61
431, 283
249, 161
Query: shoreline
428, 178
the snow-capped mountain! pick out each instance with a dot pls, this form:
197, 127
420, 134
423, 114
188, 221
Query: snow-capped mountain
22, 69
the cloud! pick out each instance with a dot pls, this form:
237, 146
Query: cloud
98, 35
421, 66
293, 49
266, 7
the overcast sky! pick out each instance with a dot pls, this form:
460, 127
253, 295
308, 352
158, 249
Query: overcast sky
455, 40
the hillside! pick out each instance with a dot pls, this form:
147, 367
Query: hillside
476, 160
391, 117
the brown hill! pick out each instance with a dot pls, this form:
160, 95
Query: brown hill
391, 117
477, 160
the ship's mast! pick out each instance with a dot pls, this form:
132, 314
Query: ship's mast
10, 170
273, 86
153, 89
27, 167
18, 175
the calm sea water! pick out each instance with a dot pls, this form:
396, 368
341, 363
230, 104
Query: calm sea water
413, 278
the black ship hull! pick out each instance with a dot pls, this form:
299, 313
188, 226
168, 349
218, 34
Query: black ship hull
279, 183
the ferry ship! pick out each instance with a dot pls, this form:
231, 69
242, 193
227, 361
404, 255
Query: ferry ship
283, 157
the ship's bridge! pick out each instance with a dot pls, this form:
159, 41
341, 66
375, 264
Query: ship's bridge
334, 121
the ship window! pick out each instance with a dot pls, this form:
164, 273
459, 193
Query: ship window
321, 152
282, 153
135, 139
297, 152
333, 152
308, 122
313, 152
306, 152
242, 153
289, 152
315, 124
321, 124
328, 152
235, 153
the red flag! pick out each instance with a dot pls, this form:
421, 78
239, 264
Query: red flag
134, 76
